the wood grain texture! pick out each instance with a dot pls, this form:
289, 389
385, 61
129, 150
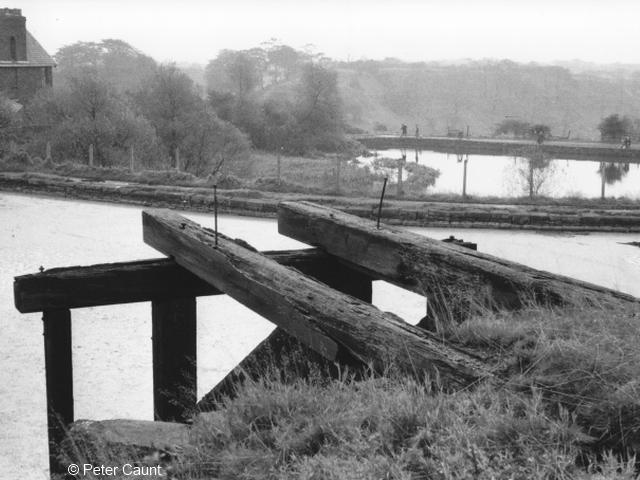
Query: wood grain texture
139, 281
331, 323
284, 357
450, 276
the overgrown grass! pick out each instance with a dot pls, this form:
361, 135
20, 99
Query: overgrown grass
567, 406
586, 361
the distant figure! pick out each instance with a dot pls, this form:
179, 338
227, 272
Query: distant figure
417, 132
403, 130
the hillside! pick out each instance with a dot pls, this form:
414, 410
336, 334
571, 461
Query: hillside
481, 94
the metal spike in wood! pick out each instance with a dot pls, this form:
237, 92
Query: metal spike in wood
333, 324
384, 186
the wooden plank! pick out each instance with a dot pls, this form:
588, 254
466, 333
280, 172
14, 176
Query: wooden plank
174, 358
59, 378
331, 323
127, 282
455, 280
283, 355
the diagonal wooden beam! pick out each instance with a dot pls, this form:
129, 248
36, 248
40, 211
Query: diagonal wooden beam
331, 323
450, 276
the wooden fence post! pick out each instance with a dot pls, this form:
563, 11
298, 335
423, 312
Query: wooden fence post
47, 154
91, 155
132, 159
278, 165
177, 159
174, 358
59, 378
338, 175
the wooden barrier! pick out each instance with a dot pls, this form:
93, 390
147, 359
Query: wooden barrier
172, 291
337, 326
455, 280
59, 376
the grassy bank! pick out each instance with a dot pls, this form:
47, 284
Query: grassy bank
258, 172
567, 407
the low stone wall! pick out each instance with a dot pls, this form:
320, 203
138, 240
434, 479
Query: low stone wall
409, 213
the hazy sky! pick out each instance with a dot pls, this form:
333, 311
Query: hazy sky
195, 30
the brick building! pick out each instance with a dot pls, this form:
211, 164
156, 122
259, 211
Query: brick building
25, 67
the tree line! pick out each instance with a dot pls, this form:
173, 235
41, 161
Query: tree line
114, 98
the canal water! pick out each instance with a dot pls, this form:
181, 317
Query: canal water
112, 345
502, 176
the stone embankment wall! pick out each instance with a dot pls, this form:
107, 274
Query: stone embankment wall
410, 213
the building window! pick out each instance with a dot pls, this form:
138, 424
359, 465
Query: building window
12, 49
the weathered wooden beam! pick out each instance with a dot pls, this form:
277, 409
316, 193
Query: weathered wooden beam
450, 276
283, 355
127, 282
59, 378
333, 324
173, 324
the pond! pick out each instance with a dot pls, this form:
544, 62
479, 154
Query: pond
112, 345
502, 176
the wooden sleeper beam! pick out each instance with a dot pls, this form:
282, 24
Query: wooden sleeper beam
333, 324
454, 279
138, 281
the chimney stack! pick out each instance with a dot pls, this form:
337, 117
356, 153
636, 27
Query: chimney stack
13, 35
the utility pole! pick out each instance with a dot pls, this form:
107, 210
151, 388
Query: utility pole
464, 179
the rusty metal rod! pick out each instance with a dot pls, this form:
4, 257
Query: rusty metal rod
384, 187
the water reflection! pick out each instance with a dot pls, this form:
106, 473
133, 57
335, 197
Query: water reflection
529, 173
613, 172
533, 171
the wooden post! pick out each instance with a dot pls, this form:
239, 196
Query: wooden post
278, 165
464, 179
132, 159
530, 178
338, 175
177, 159
602, 180
174, 358
91, 155
400, 167
59, 377
47, 155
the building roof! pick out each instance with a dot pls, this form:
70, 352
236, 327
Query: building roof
36, 56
